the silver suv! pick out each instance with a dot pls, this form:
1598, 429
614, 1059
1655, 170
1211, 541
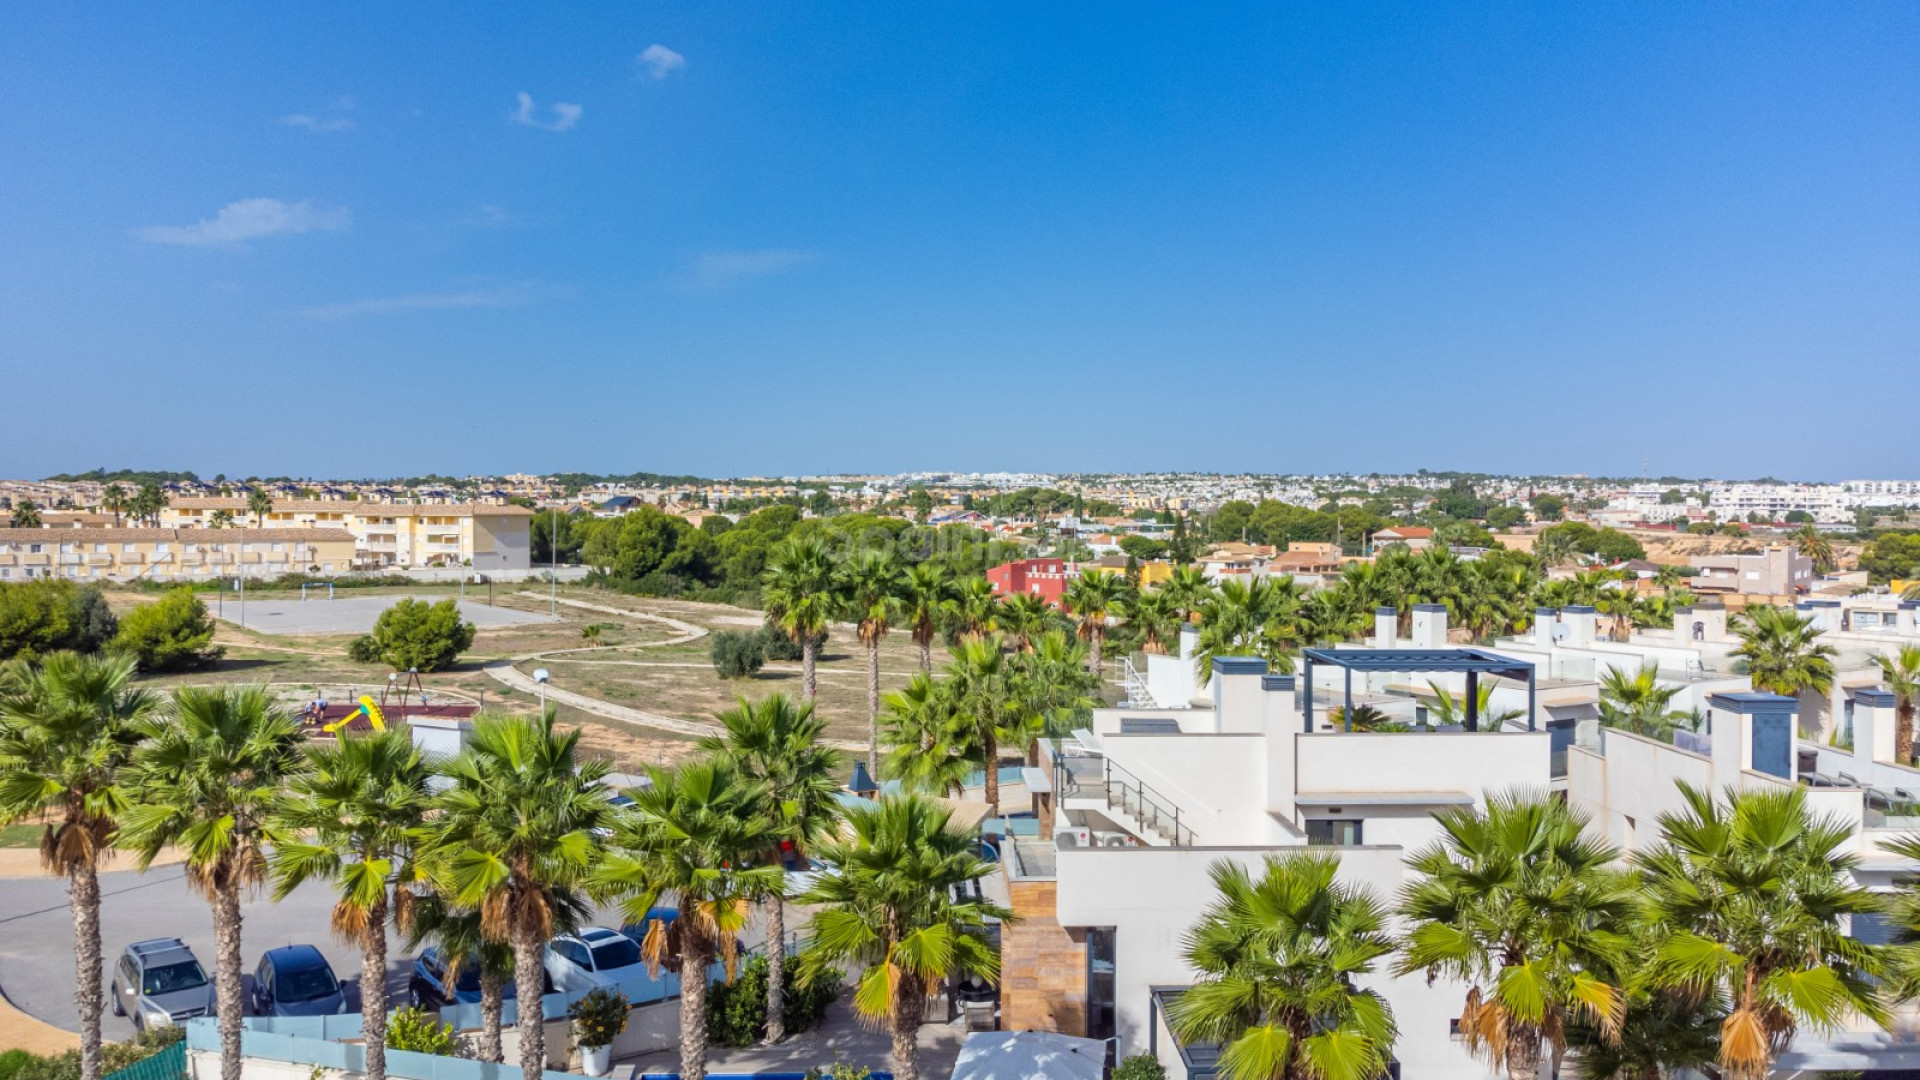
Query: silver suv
159, 982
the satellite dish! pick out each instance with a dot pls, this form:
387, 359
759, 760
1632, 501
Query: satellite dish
1560, 631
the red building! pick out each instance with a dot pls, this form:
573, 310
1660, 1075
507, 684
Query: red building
1045, 578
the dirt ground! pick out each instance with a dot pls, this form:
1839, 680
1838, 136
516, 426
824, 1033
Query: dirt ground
629, 666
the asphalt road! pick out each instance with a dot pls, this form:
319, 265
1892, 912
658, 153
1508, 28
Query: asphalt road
348, 614
36, 936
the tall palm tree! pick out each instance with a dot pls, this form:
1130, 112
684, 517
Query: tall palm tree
456, 934
1748, 895
1188, 590
514, 840
1241, 619
259, 504
799, 597
1328, 616
870, 585
1053, 689
981, 679
1151, 614
781, 745
1024, 617
976, 608
1637, 702
209, 778
888, 904
68, 727
1783, 652
1522, 905
113, 499
695, 835
1093, 596
932, 746
1901, 673
1624, 605
1277, 957
1812, 543
355, 818
927, 601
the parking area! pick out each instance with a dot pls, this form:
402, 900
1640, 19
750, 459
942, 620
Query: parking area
347, 614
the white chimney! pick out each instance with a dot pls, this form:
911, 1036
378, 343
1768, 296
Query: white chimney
1904, 621
1386, 627
1712, 618
1238, 703
1682, 625
1429, 626
1580, 620
1543, 620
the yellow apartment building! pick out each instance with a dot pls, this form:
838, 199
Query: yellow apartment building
163, 554
483, 536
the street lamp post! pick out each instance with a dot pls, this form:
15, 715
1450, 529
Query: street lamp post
541, 675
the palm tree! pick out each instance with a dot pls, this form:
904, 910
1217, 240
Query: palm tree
926, 601
26, 515
1024, 617
514, 840
1624, 605
780, 745
1188, 590
1748, 895
695, 835
113, 499
1277, 957
1093, 596
1519, 903
1053, 689
1638, 703
67, 729
1450, 709
799, 597
1812, 543
1327, 616
1151, 614
932, 746
1901, 673
456, 934
888, 904
1240, 619
871, 584
981, 679
1783, 652
259, 504
354, 818
209, 778
976, 608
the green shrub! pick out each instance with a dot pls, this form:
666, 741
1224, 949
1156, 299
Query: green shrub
174, 633
737, 1013
416, 635
736, 654
363, 650
13, 1061
412, 1029
47, 614
839, 1070
778, 645
1140, 1067
20, 1065
600, 1017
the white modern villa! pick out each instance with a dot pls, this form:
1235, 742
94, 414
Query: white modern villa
1249, 764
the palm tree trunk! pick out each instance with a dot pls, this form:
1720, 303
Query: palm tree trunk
991, 752
1903, 732
526, 989
806, 668
1095, 640
909, 1006
776, 971
1523, 1053
226, 976
83, 897
926, 652
693, 1013
873, 706
492, 1001
373, 988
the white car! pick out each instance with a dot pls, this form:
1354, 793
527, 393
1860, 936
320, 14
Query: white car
592, 958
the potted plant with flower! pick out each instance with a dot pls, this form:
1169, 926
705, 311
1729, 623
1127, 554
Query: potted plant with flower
597, 1019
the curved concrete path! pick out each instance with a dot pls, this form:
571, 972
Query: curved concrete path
505, 672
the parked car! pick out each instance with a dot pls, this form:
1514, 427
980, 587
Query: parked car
160, 982
592, 958
296, 981
431, 989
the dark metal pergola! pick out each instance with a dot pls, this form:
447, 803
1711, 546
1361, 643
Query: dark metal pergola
1474, 662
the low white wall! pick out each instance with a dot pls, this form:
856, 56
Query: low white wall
1627, 790
1216, 781
1472, 762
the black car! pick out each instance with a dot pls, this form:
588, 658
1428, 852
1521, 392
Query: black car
429, 983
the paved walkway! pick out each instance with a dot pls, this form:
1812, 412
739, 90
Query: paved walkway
18, 1031
25, 862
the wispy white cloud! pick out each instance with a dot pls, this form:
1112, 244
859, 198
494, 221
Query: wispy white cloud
486, 216
718, 270
250, 219
657, 61
501, 297
331, 118
564, 114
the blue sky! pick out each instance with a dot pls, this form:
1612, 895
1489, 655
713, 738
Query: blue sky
357, 239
